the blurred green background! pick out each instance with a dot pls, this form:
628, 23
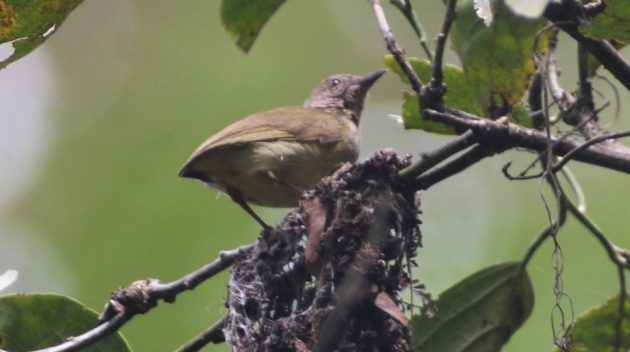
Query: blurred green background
97, 122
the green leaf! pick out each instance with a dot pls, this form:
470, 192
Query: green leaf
612, 23
29, 23
412, 120
460, 95
35, 321
479, 313
245, 18
595, 329
497, 60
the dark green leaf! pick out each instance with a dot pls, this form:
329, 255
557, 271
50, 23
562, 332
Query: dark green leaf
612, 23
29, 23
479, 313
497, 60
595, 329
245, 18
35, 321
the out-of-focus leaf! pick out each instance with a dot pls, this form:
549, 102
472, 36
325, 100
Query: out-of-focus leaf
484, 11
497, 60
29, 23
35, 321
245, 18
528, 8
7, 278
612, 23
595, 329
479, 313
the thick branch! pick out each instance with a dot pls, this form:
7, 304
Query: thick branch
456, 166
511, 135
436, 156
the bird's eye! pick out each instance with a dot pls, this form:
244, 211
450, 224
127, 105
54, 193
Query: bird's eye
335, 82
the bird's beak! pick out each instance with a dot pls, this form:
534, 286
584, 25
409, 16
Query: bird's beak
366, 82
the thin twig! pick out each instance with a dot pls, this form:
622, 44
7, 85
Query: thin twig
394, 48
551, 230
563, 100
436, 156
103, 330
449, 17
619, 258
213, 334
454, 167
621, 310
410, 14
584, 74
567, 157
615, 254
142, 296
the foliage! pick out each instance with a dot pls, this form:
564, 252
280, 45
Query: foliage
497, 59
245, 18
34, 321
484, 310
27, 24
612, 23
596, 329
496, 42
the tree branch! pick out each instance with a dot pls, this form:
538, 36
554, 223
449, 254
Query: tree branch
566, 16
449, 17
213, 334
456, 166
394, 48
568, 157
436, 156
514, 136
407, 10
142, 296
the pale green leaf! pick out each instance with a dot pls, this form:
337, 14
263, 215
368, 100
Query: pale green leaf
480, 313
412, 120
245, 18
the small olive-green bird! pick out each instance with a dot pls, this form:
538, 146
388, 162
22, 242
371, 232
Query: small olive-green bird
271, 157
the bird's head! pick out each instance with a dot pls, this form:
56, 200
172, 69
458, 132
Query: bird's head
343, 93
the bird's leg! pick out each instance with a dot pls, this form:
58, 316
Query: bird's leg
275, 178
237, 197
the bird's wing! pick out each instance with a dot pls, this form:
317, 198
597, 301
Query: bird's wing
288, 124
